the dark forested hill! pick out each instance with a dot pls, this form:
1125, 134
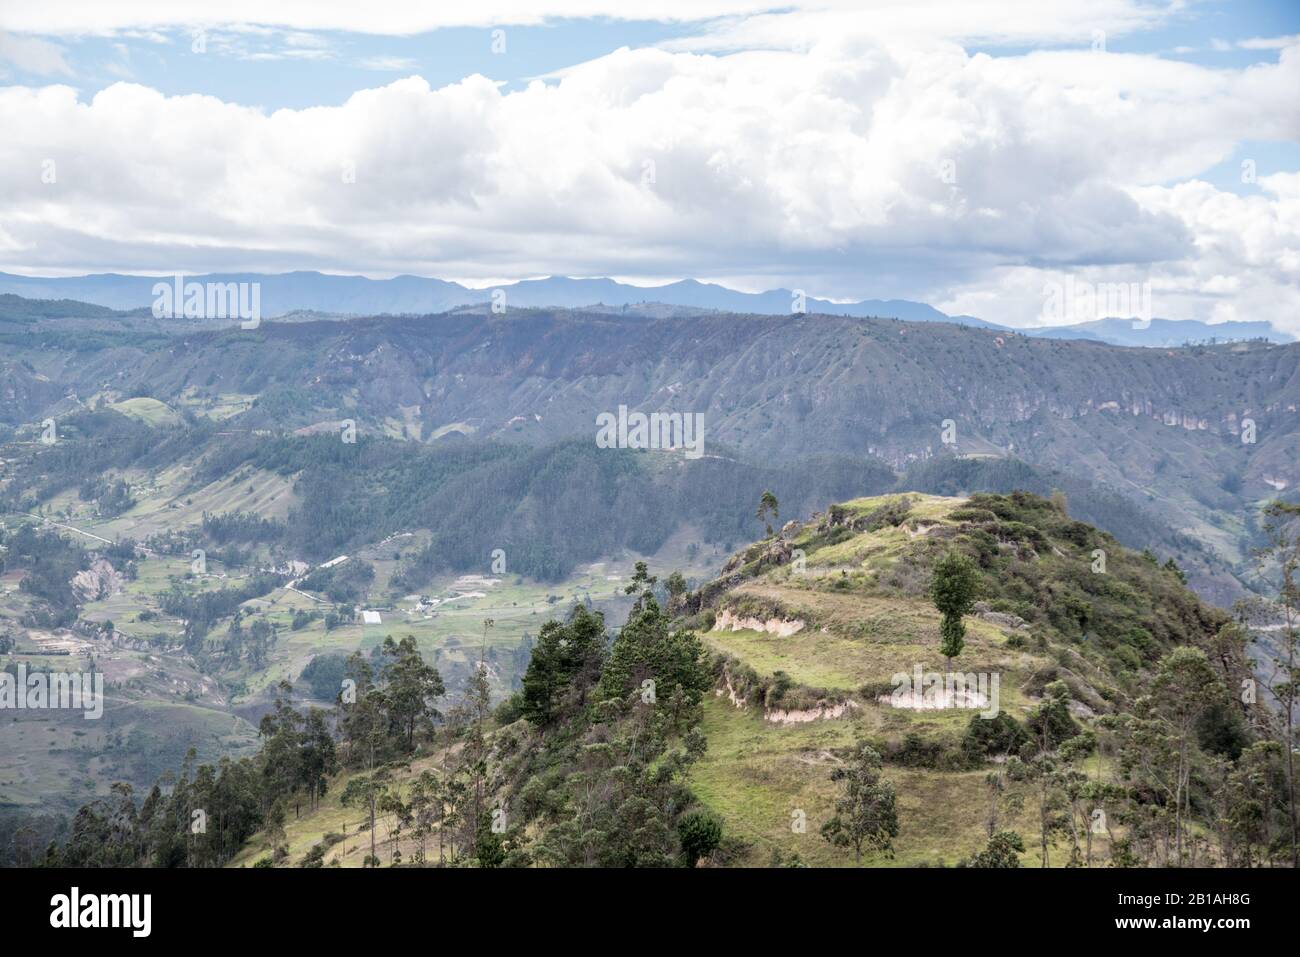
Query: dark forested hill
1191, 436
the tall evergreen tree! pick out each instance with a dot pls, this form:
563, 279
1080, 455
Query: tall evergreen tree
953, 589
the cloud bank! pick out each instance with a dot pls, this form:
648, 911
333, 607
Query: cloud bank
862, 166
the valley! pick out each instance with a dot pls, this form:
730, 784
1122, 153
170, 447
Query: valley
226, 524
804, 658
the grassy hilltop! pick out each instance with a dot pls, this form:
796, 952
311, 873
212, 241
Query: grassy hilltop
858, 600
798, 642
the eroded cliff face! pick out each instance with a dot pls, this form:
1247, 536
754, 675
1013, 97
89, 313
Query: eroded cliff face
727, 620
101, 580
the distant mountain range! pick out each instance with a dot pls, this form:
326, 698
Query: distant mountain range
1160, 332
286, 293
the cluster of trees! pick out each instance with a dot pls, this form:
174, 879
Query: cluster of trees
203, 815
477, 497
344, 584
1128, 523
50, 561
482, 496
324, 674
528, 502
1188, 785
90, 445
252, 644
242, 527
202, 609
199, 817
112, 497
603, 781
1195, 766
597, 779
584, 765
1178, 778
1070, 582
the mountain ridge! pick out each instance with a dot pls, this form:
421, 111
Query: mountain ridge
349, 295
1196, 436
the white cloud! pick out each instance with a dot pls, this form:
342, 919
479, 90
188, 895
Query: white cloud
33, 55
745, 23
388, 64
852, 168
1245, 265
387, 17
1057, 22
1269, 43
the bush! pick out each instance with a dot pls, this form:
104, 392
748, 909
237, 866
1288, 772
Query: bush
914, 751
510, 710
700, 832
776, 688
1001, 851
324, 674
314, 857
1001, 734
702, 621
890, 514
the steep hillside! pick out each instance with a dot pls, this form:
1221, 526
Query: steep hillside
1089, 681
813, 627
1194, 436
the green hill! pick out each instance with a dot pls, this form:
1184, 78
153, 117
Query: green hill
818, 621
1096, 717
147, 410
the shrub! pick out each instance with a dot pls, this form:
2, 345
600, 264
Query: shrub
891, 514
1001, 734
700, 833
914, 751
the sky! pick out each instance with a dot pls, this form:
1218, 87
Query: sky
979, 155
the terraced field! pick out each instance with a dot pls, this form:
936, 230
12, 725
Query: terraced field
838, 629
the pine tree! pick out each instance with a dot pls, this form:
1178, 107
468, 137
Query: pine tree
565, 663
412, 687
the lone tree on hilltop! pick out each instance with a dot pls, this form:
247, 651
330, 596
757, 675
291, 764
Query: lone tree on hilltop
953, 589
